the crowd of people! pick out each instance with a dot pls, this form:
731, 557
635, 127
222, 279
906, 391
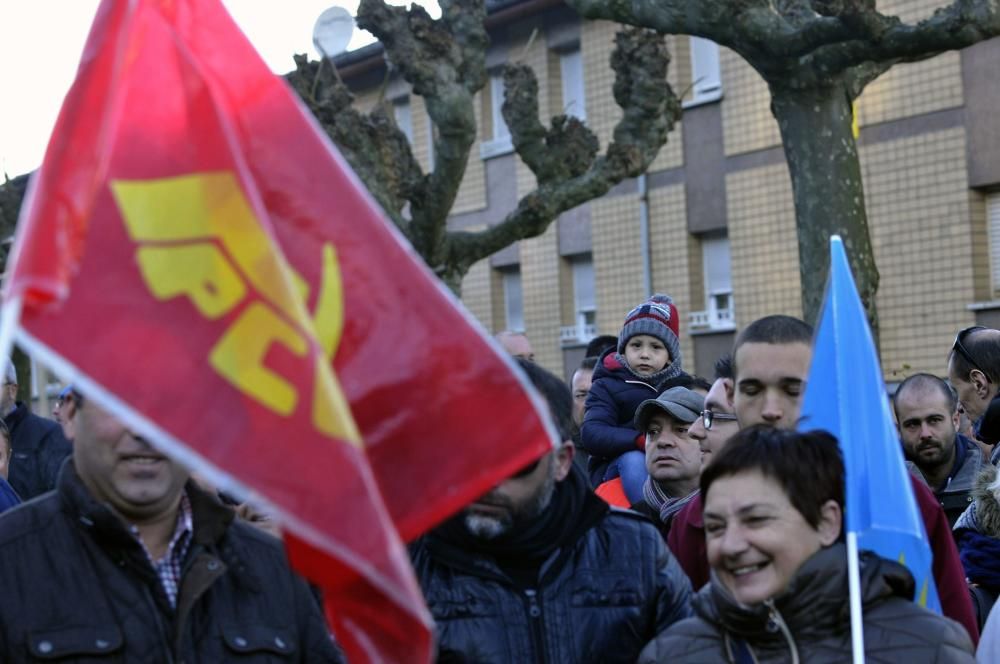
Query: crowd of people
679, 520
752, 511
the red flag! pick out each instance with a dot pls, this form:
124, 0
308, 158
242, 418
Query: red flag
195, 255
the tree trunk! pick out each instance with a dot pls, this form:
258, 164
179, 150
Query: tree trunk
829, 194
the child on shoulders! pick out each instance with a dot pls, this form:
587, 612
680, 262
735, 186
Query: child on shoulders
648, 356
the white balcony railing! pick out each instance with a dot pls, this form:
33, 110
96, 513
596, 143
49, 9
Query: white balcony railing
577, 333
712, 320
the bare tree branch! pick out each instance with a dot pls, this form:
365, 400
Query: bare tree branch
816, 56
564, 151
568, 175
445, 63
961, 24
372, 145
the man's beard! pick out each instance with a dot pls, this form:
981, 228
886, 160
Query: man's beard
932, 455
490, 527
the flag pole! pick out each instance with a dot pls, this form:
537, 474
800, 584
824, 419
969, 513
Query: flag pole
854, 592
10, 318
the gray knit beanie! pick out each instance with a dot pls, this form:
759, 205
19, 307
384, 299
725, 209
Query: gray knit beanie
658, 318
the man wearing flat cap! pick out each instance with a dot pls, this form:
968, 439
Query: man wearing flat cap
673, 458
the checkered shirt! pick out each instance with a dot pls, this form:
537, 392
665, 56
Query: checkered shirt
168, 568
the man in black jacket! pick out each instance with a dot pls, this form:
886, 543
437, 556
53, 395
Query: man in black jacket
541, 570
129, 561
39, 446
974, 372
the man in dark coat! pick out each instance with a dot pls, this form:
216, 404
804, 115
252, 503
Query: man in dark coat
39, 444
927, 416
129, 561
974, 372
539, 569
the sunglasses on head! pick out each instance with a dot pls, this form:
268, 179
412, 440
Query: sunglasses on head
960, 348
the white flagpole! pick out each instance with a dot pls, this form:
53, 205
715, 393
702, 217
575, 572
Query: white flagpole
854, 591
10, 318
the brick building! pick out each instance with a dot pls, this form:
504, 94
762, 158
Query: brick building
715, 210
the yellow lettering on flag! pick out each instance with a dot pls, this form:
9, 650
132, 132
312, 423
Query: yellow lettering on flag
199, 237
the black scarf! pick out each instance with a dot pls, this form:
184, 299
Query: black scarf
521, 551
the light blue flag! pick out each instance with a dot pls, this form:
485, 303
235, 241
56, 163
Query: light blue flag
845, 395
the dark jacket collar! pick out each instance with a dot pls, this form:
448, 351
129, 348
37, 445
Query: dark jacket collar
988, 426
815, 600
211, 518
16, 416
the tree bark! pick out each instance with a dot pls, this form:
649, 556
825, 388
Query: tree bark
827, 188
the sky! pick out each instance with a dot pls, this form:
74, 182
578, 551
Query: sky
41, 42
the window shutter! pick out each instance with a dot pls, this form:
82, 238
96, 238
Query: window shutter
993, 222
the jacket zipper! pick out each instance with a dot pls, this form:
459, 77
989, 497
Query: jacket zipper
158, 617
535, 619
779, 622
639, 382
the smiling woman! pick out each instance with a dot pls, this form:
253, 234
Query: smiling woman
774, 502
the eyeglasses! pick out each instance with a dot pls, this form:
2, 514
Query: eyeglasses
708, 416
959, 348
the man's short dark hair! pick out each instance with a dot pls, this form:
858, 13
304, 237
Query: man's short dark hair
926, 381
588, 363
777, 329
699, 383
984, 349
556, 393
601, 343
807, 465
724, 367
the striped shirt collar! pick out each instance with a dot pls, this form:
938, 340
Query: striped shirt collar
170, 566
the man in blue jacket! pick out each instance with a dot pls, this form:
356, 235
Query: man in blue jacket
539, 569
39, 446
8, 497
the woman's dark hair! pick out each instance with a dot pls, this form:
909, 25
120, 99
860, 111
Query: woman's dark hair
807, 466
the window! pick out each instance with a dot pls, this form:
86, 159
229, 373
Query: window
718, 313
705, 76
500, 129
513, 301
571, 69
431, 135
583, 293
404, 120
499, 143
993, 222
584, 326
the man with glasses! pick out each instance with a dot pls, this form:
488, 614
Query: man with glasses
974, 372
39, 446
540, 569
717, 422
712, 430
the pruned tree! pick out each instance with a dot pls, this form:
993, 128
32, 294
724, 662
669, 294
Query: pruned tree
444, 61
816, 56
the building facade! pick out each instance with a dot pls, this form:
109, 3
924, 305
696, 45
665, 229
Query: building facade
714, 214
